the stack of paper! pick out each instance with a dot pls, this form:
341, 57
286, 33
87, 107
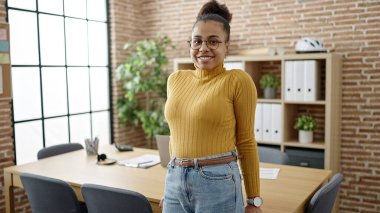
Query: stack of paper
269, 173
143, 161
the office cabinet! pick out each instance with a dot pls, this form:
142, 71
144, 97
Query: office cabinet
317, 79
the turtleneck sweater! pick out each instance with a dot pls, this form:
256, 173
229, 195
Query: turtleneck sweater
211, 112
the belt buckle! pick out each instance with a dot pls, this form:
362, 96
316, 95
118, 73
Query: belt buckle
183, 162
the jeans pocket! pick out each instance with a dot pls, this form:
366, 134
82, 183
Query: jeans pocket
216, 172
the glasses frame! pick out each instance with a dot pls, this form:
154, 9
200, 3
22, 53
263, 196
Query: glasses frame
205, 41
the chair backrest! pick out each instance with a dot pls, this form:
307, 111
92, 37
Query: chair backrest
58, 149
272, 155
48, 195
323, 200
100, 199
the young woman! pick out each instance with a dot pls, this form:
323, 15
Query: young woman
210, 112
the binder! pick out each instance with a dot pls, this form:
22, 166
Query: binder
276, 117
267, 122
298, 83
289, 69
233, 65
311, 80
259, 122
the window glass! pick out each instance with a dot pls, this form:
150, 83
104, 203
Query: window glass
101, 127
99, 88
97, 10
26, 93
54, 91
97, 39
56, 131
23, 4
24, 42
51, 6
76, 42
75, 8
52, 40
79, 94
29, 141
80, 128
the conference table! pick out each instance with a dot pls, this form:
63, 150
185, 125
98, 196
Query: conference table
290, 192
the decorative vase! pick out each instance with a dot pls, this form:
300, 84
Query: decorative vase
305, 137
269, 93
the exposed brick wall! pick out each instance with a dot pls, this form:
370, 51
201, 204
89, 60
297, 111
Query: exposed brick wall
126, 24
6, 129
348, 27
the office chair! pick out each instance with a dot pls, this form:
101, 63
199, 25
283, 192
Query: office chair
100, 199
272, 155
58, 149
323, 200
47, 195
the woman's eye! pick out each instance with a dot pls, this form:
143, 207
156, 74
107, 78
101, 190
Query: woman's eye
197, 42
213, 42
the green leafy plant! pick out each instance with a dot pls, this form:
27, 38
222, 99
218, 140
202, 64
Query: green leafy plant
306, 123
144, 84
269, 81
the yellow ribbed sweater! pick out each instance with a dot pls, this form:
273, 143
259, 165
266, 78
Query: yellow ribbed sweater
212, 112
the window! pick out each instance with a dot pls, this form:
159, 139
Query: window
60, 73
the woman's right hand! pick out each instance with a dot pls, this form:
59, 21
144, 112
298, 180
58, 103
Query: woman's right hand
161, 203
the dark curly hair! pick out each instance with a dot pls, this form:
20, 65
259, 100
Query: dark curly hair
214, 11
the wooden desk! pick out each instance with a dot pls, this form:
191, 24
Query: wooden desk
289, 193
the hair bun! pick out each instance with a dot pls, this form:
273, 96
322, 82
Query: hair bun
213, 7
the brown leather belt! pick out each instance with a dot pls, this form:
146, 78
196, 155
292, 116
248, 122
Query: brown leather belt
206, 162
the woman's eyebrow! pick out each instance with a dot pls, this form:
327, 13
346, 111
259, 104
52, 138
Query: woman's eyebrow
211, 36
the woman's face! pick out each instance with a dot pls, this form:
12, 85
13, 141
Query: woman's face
206, 57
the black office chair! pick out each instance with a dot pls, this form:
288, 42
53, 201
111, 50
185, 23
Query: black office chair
323, 200
272, 155
47, 195
58, 149
100, 199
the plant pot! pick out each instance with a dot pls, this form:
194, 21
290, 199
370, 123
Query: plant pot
305, 137
269, 93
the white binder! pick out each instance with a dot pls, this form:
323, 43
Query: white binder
259, 122
289, 69
230, 65
267, 122
276, 132
298, 82
311, 80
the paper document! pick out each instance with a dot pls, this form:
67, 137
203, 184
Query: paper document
269, 173
143, 161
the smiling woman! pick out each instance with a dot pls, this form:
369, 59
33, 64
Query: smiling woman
210, 113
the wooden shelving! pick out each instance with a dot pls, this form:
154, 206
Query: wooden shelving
326, 109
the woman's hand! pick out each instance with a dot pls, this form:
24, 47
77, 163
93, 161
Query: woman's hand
161, 203
252, 209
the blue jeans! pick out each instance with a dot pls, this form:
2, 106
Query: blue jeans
207, 189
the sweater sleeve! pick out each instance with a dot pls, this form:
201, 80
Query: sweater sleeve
245, 98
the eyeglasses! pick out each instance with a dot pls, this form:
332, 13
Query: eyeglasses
196, 44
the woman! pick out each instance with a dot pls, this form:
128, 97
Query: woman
210, 112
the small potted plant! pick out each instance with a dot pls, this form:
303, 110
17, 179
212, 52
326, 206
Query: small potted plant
306, 124
269, 83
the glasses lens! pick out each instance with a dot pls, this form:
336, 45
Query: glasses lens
213, 44
197, 43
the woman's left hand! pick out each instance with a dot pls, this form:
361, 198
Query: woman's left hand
252, 209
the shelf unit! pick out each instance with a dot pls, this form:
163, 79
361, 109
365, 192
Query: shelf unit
327, 109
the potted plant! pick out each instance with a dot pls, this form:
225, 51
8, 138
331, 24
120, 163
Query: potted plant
269, 83
306, 124
144, 83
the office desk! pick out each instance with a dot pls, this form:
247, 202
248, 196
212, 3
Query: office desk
289, 193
